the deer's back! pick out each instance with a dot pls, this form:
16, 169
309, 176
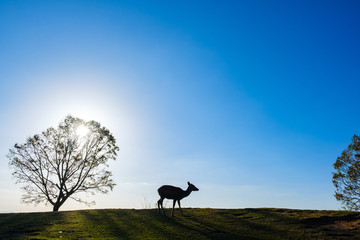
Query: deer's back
171, 192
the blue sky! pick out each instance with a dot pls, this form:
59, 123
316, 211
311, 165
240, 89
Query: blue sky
252, 101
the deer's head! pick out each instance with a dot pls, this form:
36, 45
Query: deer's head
192, 187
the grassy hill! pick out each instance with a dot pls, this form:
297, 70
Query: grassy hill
264, 223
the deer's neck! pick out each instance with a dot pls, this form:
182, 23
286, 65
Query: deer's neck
187, 192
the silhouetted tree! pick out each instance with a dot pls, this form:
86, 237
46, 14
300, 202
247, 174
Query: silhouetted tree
347, 176
58, 163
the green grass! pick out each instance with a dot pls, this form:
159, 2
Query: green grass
264, 223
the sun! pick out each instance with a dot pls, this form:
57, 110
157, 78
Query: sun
82, 131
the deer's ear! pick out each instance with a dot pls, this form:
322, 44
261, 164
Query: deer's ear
188, 183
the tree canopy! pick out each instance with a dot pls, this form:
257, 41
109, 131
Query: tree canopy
346, 178
58, 163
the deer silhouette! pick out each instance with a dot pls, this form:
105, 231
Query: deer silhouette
175, 193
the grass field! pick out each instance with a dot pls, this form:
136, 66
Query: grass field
263, 223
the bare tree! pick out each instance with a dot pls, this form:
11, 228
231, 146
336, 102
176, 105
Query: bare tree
58, 163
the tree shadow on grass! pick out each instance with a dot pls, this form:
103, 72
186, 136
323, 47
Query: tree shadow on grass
251, 224
219, 226
149, 224
203, 226
107, 224
242, 224
130, 224
24, 225
231, 224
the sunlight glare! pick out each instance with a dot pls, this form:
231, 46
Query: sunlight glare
82, 131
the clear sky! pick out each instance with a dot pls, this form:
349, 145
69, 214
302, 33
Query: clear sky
251, 101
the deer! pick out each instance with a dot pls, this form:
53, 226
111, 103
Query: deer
175, 193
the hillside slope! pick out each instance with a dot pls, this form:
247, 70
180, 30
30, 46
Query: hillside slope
264, 223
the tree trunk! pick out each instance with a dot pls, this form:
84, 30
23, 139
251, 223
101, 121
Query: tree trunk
56, 207
60, 202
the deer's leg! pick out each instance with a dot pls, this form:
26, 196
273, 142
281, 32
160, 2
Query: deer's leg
180, 207
172, 212
160, 206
